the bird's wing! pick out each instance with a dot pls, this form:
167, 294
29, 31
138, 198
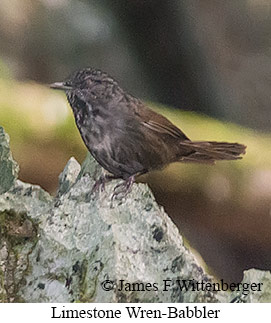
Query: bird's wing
158, 123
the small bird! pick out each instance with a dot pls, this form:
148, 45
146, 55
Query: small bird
126, 137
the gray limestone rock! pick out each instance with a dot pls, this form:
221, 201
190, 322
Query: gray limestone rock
256, 287
8, 167
80, 247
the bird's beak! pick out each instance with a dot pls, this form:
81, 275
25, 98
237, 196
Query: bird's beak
60, 86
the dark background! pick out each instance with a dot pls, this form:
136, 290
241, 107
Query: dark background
211, 57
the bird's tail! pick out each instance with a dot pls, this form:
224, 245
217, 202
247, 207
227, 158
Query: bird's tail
211, 151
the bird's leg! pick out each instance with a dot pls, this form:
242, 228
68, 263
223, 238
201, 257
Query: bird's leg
122, 189
100, 182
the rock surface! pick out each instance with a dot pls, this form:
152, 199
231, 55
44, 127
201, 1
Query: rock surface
79, 247
8, 167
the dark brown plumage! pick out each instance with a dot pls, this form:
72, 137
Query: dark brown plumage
125, 136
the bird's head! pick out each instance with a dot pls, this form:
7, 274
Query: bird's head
85, 79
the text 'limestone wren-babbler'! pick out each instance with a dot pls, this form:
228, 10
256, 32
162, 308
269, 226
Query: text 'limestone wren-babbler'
125, 136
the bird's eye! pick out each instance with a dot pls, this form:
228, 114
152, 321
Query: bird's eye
80, 103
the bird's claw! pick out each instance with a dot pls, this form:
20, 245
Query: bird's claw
122, 189
99, 185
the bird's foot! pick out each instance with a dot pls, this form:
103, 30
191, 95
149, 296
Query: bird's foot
99, 185
123, 189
